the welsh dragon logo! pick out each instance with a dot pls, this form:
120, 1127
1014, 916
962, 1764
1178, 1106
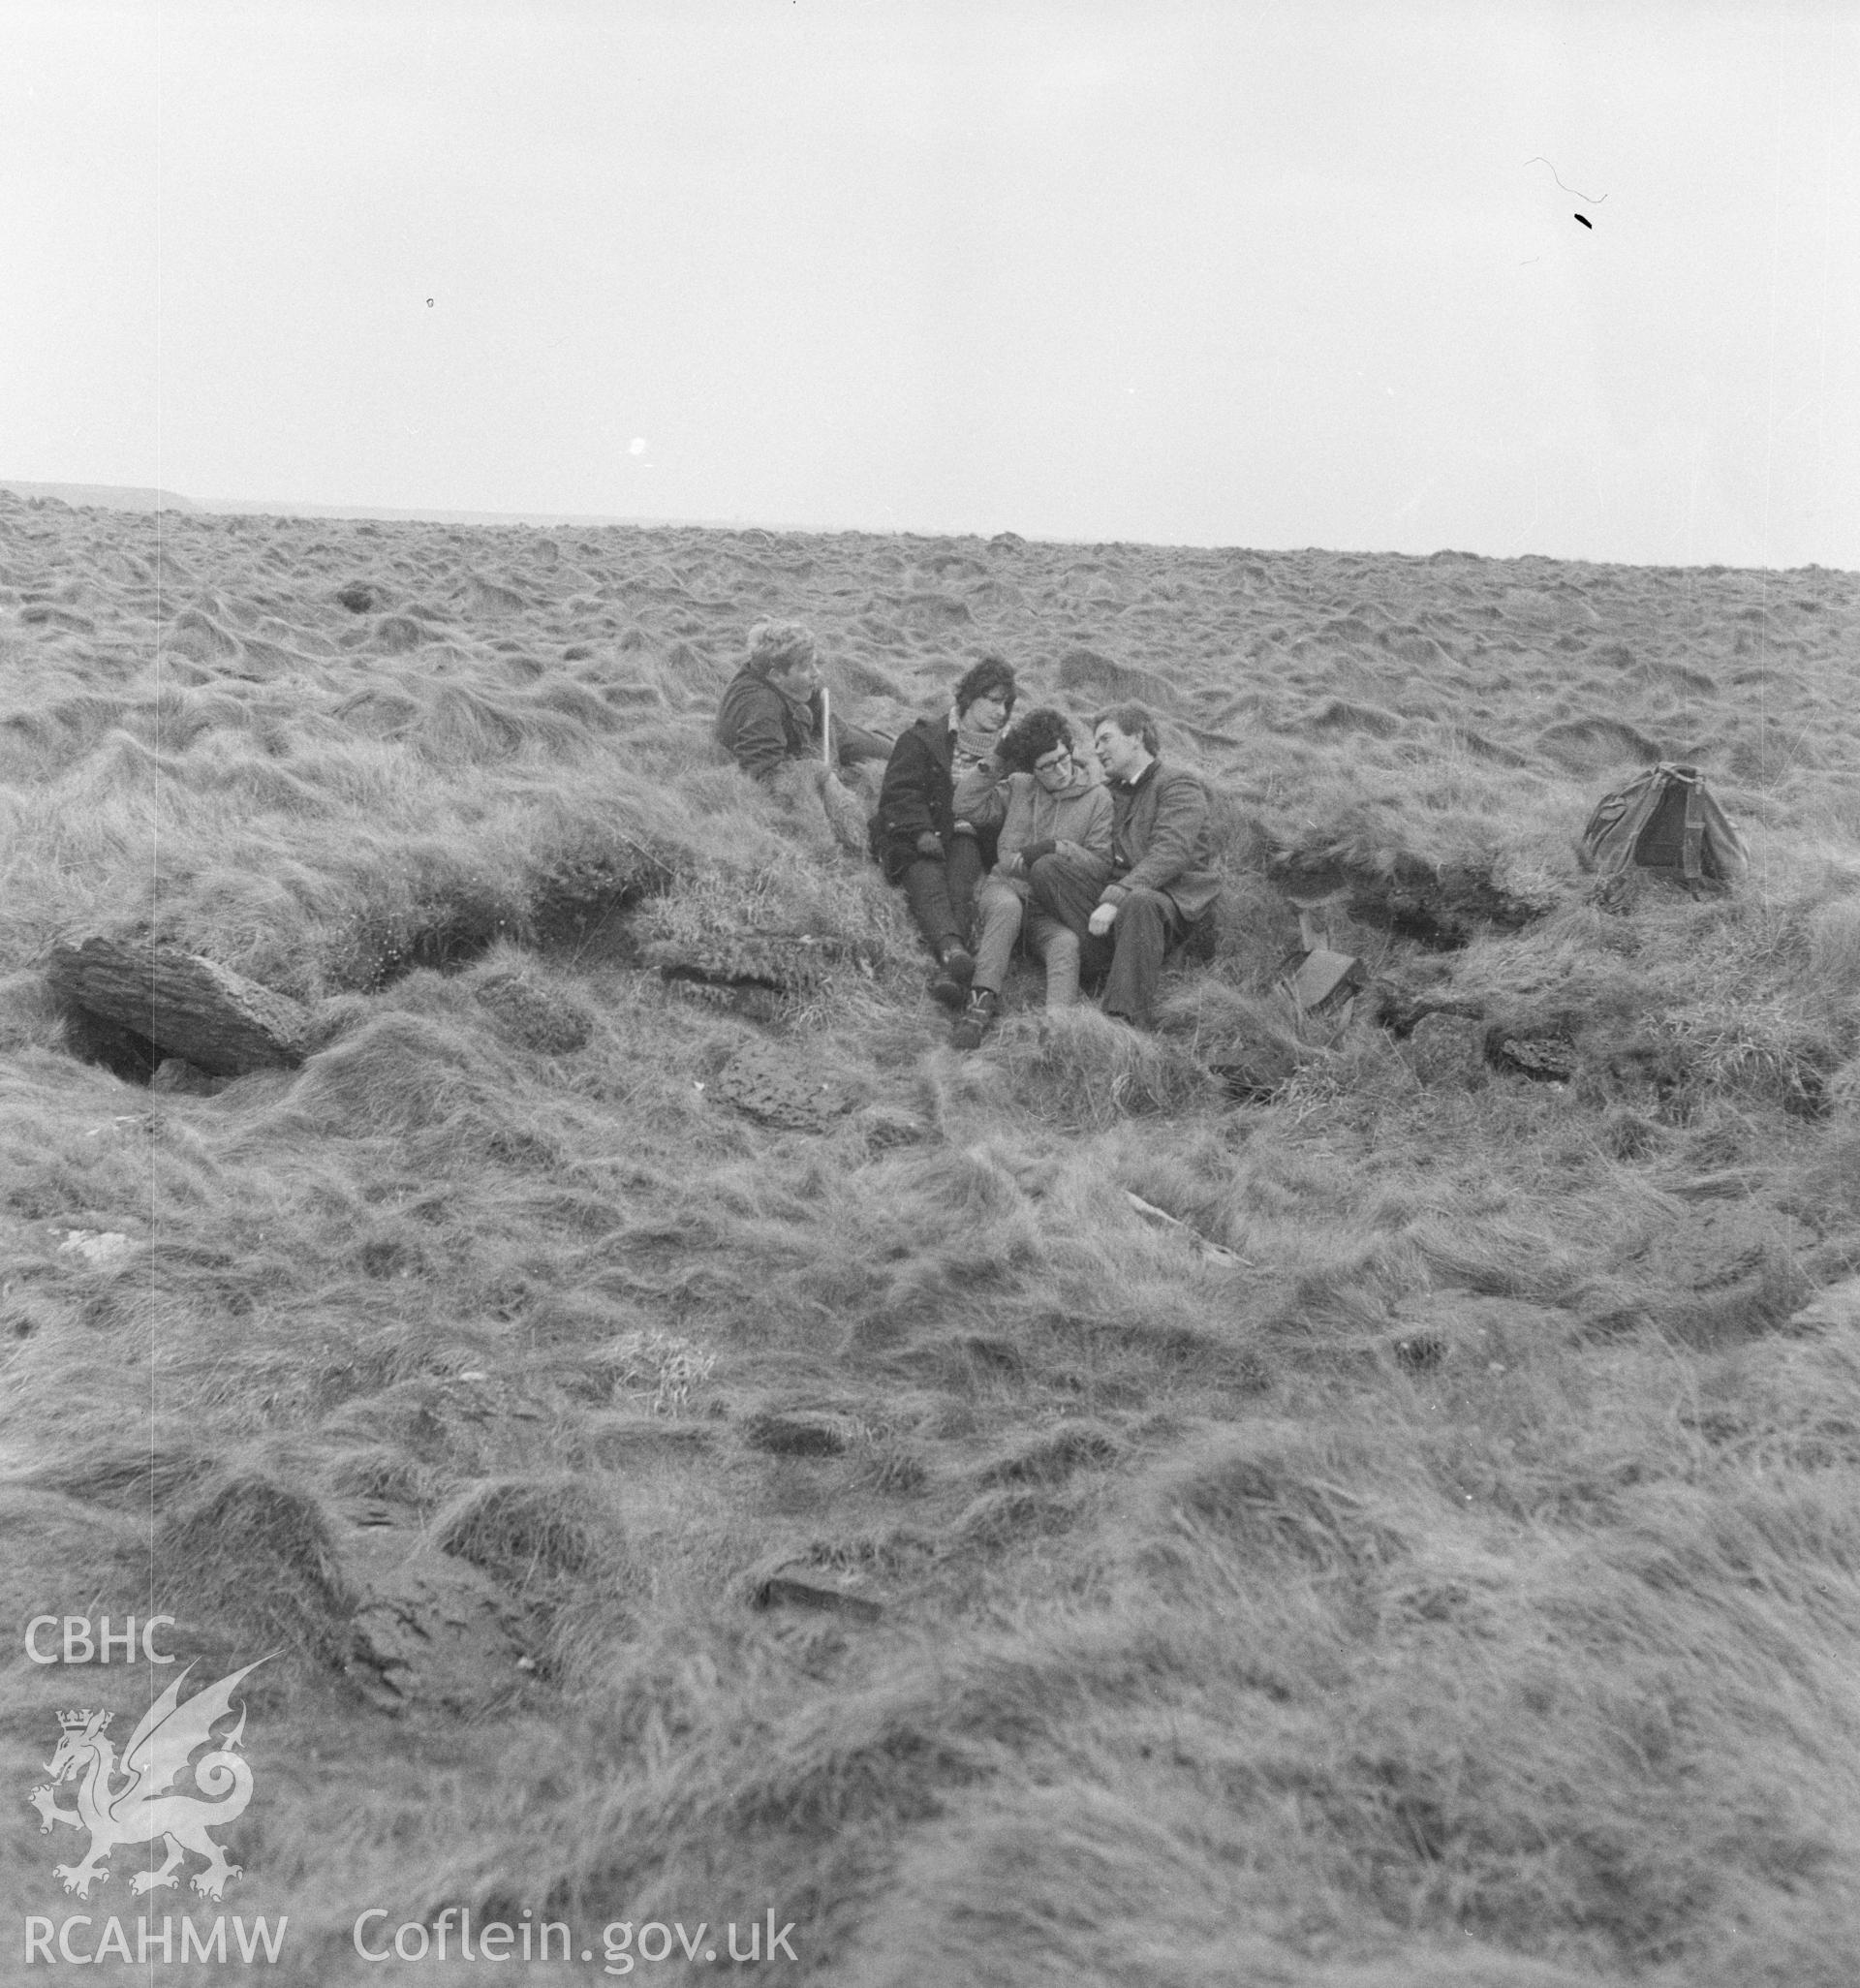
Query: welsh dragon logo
147, 1807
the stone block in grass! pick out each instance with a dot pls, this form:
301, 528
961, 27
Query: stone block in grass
798, 1585
185, 1005
767, 1082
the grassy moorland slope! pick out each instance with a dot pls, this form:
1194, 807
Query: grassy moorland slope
1451, 1577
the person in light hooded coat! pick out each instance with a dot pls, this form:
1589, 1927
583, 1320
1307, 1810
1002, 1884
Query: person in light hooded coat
1046, 808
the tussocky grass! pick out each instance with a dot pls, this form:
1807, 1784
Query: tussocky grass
1452, 1575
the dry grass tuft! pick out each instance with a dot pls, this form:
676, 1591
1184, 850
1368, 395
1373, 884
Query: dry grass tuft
526, 1531
257, 1558
1080, 1068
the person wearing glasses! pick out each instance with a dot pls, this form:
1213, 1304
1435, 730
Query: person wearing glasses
1159, 894
1048, 811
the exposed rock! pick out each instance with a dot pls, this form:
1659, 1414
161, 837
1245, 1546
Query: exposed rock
781, 1089
434, 1633
188, 1006
798, 1585
1438, 905
96, 1246
1324, 981
1548, 1059
1448, 1052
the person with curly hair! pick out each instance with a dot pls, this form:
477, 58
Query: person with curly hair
1160, 893
924, 846
1046, 809
771, 722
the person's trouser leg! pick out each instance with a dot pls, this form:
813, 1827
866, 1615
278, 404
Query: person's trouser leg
1146, 921
1059, 889
999, 913
926, 890
1058, 945
967, 866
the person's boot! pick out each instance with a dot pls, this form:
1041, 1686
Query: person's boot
955, 968
977, 1018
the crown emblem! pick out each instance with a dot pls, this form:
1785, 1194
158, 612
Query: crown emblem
76, 1722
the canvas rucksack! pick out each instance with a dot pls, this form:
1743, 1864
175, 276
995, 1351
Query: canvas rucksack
1666, 822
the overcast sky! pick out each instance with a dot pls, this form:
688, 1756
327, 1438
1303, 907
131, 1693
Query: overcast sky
1272, 276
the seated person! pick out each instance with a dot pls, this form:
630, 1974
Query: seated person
1046, 809
918, 838
1161, 887
769, 722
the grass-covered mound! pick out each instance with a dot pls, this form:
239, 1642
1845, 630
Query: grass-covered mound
700, 1446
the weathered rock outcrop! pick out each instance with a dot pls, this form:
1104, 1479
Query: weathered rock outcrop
187, 1006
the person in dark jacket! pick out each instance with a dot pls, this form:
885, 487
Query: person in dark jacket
1162, 885
771, 722
921, 846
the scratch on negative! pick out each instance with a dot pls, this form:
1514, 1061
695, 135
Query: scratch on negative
1594, 199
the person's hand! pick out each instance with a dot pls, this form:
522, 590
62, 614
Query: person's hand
930, 843
1033, 850
1101, 920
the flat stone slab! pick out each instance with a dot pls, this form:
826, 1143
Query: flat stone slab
189, 1007
767, 1082
1545, 1059
801, 1586
1325, 981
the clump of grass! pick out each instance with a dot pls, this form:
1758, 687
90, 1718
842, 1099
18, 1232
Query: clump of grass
525, 1530
1053, 1456
396, 1074
1083, 1068
657, 1371
384, 1474
103, 1470
535, 1014
783, 923
1272, 1488
255, 1558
